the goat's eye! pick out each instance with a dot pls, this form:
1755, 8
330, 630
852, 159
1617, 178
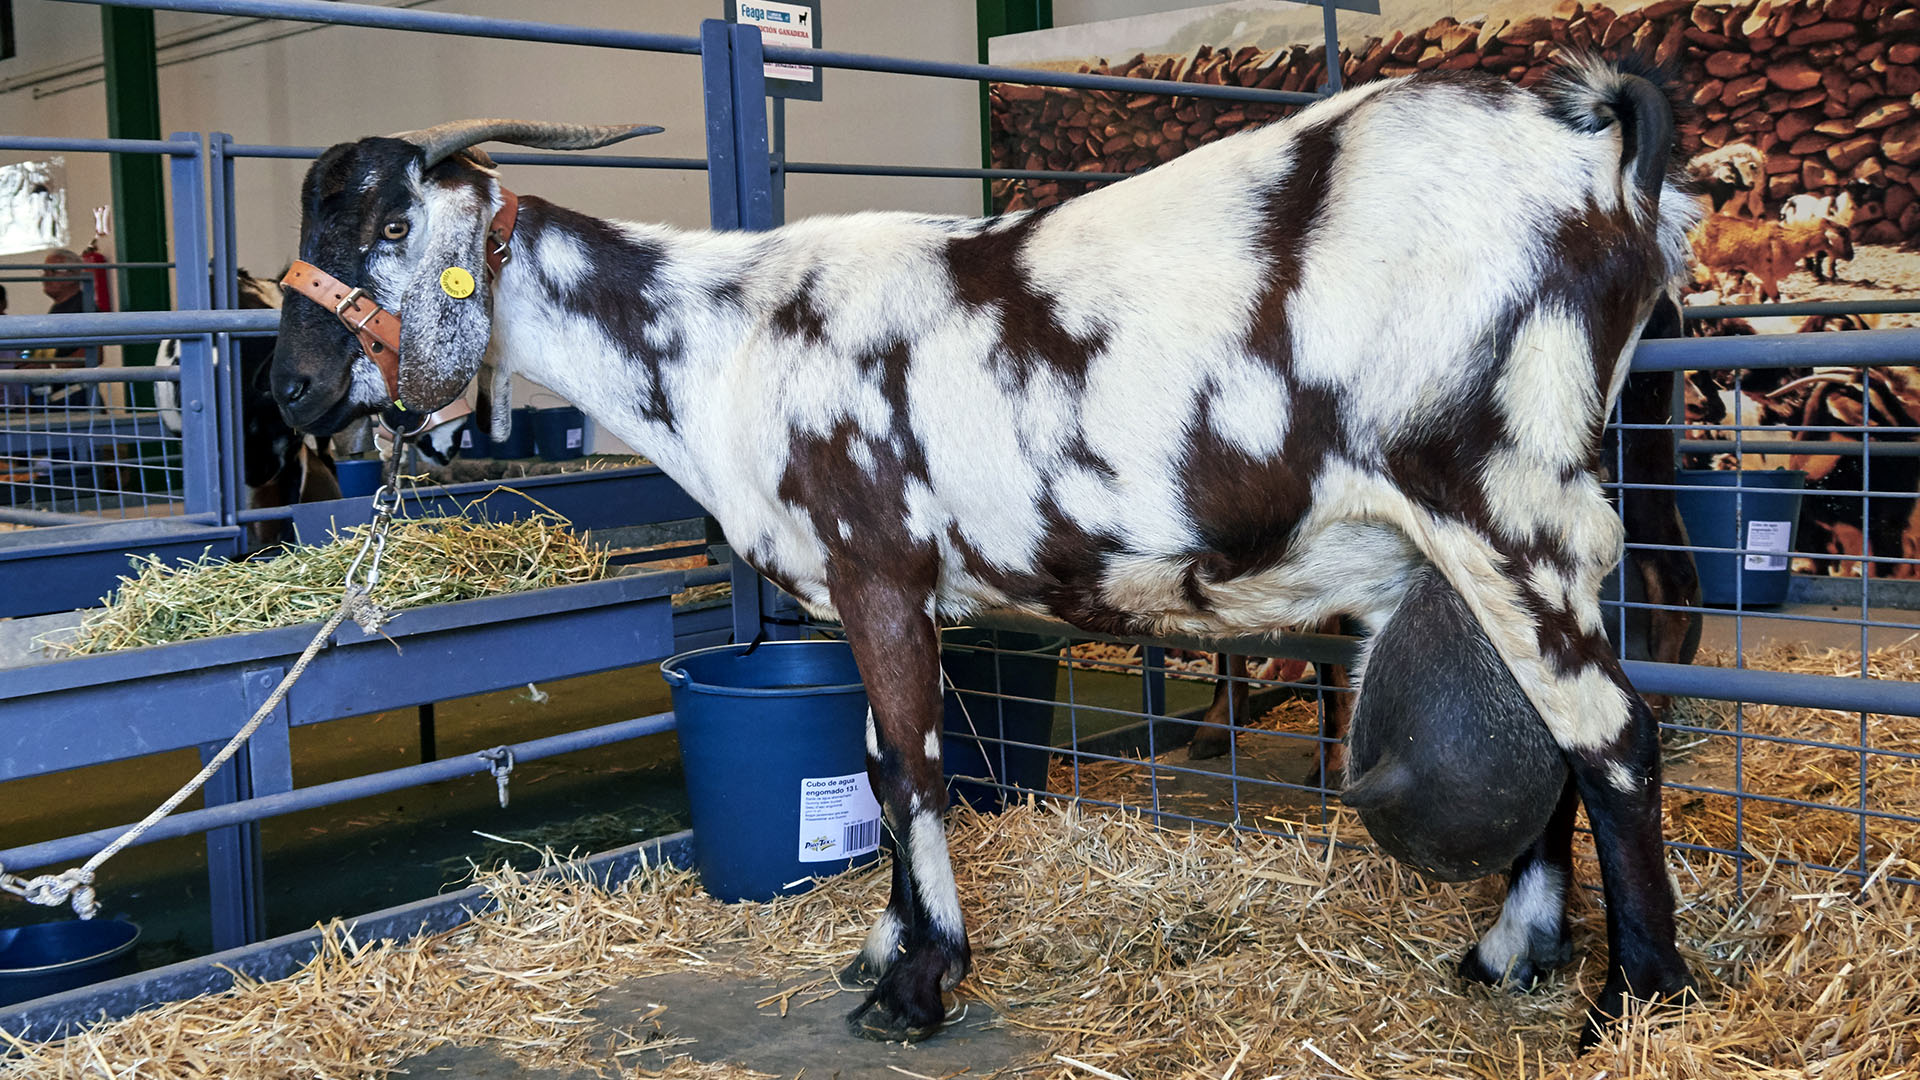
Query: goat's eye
394, 230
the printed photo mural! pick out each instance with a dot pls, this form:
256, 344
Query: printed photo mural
1800, 125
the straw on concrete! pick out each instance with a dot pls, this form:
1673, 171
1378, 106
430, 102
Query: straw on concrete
1142, 951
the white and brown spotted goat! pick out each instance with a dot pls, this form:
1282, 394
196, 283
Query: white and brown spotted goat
1396, 347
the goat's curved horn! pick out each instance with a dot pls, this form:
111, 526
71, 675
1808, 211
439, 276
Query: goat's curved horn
439, 141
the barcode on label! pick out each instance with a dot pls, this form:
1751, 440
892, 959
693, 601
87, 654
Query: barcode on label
860, 837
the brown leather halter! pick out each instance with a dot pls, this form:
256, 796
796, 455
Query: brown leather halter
379, 329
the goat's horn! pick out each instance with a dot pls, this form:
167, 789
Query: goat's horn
439, 141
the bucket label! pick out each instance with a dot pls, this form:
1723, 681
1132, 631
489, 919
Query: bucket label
1764, 536
574, 435
839, 818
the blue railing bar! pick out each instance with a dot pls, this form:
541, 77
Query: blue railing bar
1859, 348
1321, 648
1808, 307
357, 787
90, 375
71, 270
826, 58
1804, 448
837, 169
57, 144
20, 516
515, 157
1886, 697
426, 22
158, 324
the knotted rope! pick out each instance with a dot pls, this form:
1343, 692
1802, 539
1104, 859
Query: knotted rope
356, 603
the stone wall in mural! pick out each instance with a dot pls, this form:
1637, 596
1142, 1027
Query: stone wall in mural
1801, 126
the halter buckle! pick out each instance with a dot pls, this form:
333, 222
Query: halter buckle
347, 301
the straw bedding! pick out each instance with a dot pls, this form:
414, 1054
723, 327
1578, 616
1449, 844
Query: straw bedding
1152, 952
1142, 951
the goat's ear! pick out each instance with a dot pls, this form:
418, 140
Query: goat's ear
446, 316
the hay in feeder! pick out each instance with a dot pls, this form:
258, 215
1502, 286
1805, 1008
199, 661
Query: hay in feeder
1139, 951
427, 561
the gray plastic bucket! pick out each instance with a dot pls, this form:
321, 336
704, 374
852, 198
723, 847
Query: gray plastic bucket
1763, 523
46, 958
984, 713
773, 743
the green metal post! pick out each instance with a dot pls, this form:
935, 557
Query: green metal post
994, 18
139, 196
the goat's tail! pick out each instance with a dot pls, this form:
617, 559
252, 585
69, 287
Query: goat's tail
1591, 93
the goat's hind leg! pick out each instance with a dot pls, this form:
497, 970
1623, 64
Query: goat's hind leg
1530, 940
918, 949
1620, 784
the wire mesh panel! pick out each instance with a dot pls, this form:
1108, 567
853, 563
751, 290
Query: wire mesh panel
1796, 493
76, 442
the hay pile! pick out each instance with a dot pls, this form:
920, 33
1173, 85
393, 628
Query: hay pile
427, 561
1141, 951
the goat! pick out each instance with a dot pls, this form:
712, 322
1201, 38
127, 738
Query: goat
1768, 250
280, 466
1079, 412
1660, 574
1841, 208
1732, 178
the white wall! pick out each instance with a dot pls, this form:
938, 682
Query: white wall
311, 85
330, 84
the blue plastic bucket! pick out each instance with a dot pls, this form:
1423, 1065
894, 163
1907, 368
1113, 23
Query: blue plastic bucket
358, 476
560, 434
46, 958
519, 440
1763, 523
773, 742
980, 719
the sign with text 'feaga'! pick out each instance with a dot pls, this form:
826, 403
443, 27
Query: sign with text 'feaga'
786, 24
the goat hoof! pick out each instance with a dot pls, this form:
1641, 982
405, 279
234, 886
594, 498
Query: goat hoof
1209, 743
877, 1020
1545, 953
1615, 1001
859, 973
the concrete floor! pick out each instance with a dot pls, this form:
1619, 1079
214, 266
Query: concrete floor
1820, 626
723, 1024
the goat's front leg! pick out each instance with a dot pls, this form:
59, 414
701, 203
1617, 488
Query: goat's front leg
1530, 940
918, 949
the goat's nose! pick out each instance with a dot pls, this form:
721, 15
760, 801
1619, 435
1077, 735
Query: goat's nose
294, 388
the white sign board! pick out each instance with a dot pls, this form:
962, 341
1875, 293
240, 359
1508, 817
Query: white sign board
784, 25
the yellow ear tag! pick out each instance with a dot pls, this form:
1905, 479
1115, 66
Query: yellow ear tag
456, 282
